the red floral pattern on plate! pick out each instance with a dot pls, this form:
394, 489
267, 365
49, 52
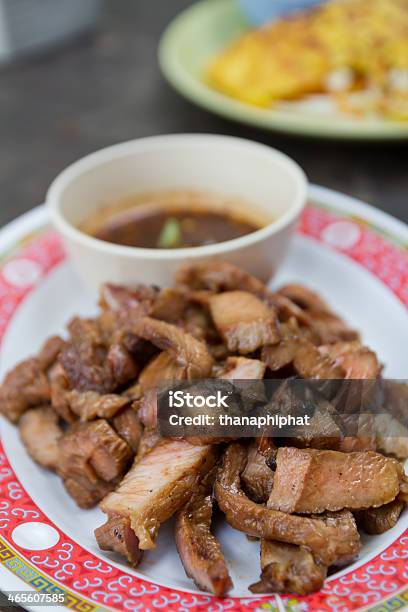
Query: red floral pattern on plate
91, 582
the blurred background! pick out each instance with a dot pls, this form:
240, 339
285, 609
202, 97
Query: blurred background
104, 86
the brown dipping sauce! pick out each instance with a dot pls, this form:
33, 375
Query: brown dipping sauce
168, 222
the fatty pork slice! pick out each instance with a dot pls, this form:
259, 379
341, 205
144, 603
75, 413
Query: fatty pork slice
157, 486
117, 535
244, 321
332, 538
287, 568
190, 354
277, 356
89, 405
217, 276
129, 427
257, 477
241, 368
357, 361
312, 481
27, 384
200, 552
92, 459
40, 433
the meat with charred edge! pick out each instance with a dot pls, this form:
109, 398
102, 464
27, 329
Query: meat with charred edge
157, 486
92, 459
117, 535
199, 550
288, 569
332, 537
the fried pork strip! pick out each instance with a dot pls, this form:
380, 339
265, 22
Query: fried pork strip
241, 368
244, 321
257, 477
188, 352
117, 535
312, 481
199, 550
40, 433
157, 486
92, 459
27, 384
332, 538
128, 426
288, 569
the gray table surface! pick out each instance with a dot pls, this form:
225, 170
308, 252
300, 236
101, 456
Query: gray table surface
107, 88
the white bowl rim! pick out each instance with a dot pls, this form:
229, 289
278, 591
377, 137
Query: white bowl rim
123, 149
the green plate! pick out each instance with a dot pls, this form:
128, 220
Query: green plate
205, 28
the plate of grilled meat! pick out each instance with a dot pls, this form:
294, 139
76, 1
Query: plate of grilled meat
98, 507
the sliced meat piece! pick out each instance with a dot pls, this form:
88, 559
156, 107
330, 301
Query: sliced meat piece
244, 322
91, 362
24, 387
188, 352
40, 433
357, 361
170, 305
241, 368
332, 538
116, 534
138, 299
288, 310
120, 367
218, 276
310, 363
200, 552
89, 405
379, 520
84, 355
330, 328
312, 481
150, 438
257, 477
49, 352
163, 367
157, 486
59, 386
277, 356
304, 298
128, 426
91, 455
85, 492
288, 569
148, 409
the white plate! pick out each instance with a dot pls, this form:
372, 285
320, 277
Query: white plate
348, 251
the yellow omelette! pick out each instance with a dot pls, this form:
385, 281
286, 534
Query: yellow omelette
341, 47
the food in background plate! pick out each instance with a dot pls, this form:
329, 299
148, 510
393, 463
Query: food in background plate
86, 409
170, 220
356, 51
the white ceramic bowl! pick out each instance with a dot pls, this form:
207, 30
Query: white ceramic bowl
226, 166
